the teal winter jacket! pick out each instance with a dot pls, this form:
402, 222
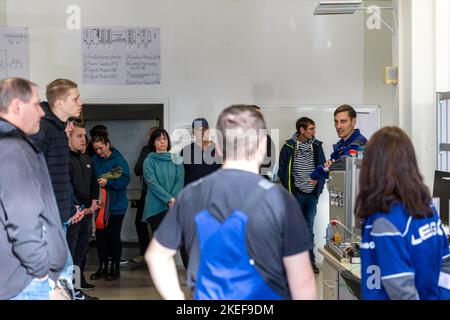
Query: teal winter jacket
164, 175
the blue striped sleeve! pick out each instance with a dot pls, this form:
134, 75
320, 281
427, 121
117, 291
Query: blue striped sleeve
397, 275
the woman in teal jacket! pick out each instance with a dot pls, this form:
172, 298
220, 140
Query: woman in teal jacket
113, 174
164, 174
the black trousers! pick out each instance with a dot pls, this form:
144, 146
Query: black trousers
141, 227
155, 221
109, 243
184, 257
78, 236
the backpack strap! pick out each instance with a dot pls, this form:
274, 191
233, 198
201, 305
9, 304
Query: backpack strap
194, 256
262, 186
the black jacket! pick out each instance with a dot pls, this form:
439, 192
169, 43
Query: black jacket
52, 141
199, 163
83, 178
269, 159
285, 165
139, 166
32, 242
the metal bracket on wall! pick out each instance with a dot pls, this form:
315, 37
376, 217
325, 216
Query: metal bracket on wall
327, 7
444, 147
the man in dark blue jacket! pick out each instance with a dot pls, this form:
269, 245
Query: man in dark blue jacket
299, 157
63, 103
351, 139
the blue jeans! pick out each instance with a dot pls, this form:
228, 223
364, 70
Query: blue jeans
36, 290
68, 272
308, 204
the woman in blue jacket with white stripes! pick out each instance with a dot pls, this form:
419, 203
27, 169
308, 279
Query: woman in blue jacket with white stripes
404, 250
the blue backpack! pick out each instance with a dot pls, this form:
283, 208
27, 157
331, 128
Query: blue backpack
225, 270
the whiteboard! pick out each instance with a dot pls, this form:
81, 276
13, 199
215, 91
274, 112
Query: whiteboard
127, 136
281, 124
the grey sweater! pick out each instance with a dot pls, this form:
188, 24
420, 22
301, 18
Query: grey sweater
32, 242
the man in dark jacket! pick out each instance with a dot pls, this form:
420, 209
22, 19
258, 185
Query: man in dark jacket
351, 139
32, 246
63, 103
86, 189
298, 159
199, 157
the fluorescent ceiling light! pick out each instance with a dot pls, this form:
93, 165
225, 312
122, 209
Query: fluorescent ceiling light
337, 7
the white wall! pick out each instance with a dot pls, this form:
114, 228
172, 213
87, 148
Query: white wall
442, 38
378, 45
416, 56
2, 13
213, 52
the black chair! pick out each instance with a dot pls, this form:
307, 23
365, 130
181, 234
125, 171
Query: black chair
441, 190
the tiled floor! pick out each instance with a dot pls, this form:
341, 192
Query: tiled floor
135, 282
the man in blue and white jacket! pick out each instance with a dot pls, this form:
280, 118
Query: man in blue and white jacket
351, 139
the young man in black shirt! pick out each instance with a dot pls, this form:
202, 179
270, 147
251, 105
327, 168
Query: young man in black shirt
86, 190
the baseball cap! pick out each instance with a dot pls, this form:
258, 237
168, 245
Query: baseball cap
200, 122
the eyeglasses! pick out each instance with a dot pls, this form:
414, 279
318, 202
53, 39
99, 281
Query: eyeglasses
160, 139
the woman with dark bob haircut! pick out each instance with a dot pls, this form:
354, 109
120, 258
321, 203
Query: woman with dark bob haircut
404, 250
164, 175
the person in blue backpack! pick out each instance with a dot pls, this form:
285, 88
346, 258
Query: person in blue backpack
404, 250
351, 139
246, 237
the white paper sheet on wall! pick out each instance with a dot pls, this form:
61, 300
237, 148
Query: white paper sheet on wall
120, 56
181, 137
14, 53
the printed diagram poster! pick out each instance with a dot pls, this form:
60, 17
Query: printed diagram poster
121, 56
14, 53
